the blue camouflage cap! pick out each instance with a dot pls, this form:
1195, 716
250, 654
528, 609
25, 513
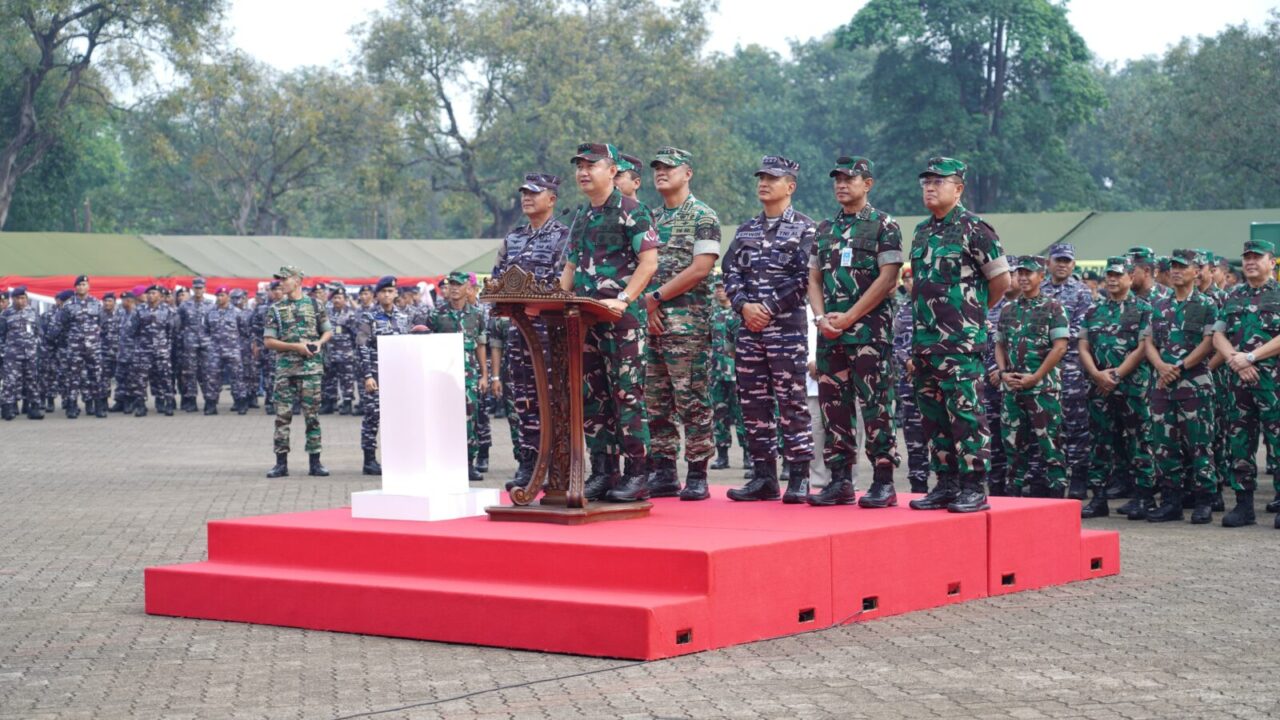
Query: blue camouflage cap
65, 295
109, 296
18, 291
778, 166
538, 182
198, 283
1062, 249
384, 282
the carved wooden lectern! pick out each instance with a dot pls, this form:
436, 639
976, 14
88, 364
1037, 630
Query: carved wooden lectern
558, 475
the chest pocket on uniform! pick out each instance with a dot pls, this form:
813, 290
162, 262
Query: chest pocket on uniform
1127, 328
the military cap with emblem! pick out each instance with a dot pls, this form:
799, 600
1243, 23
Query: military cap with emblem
126, 294
65, 295
672, 157
629, 162
853, 166
1162, 263
384, 282
1142, 254
109, 296
944, 167
1034, 263
1259, 246
1062, 250
1119, 264
198, 282
287, 271
539, 182
18, 291
1184, 256
591, 152
778, 166
458, 277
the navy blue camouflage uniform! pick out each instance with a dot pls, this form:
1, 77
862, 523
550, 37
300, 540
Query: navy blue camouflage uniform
1076, 299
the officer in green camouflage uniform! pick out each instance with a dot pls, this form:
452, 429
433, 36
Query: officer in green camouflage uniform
959, 271
853, 271
457, 316
612, 255
296, 330
1031, 341
1181, 337
1113, 355
1249, 322
724, 384
678, 305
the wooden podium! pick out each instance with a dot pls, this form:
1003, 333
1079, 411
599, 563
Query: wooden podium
558, 474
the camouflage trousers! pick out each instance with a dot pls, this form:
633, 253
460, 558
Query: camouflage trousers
339, 378
522, 387
853, 377
193, 373
125, 385
1182, 437
151, 366
993, 406
225, 360
614, 414
1075, 417
371, 419
249, 368
1120, 426
675, 390
472, 393
108, 372
1253, 410
1221, 406
480, 413
1032, 423
287, 390
21, 380
913, 434
266, 370
84, 373
771, 370
951, 413
727, 414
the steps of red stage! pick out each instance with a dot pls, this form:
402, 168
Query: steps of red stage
689, 577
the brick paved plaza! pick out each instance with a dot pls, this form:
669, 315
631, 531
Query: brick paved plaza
1190, 629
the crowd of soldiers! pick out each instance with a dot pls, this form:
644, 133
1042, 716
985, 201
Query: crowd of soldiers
1007, 375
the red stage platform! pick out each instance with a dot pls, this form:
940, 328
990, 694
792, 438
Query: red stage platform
690, 577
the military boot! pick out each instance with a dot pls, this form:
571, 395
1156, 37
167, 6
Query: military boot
1273, 506
210, 407
1097, 506
100, 408
1203, 512
119, 405
919, 486
189, 405
244, 406
971, 497
169, 406
722, 458
268, 408
317, 469
8, 411
762, 486
748, 466
635, 482
35, 411
1170, 508
1078, 489
524, 470
940, 498
604, 475
1143, 503
664, 480
345, 409
140, 407
881, 493
281, 468
797, 483
326, 406
1242, 513
473, 475
1056, 492
482, 460
839, 489
72, 409
1219, 505
1120, 487
371, 466
48, 404
995, 487
252, 404
695, 482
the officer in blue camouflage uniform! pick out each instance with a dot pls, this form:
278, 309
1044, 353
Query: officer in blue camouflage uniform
959, 272
110, 347
20, 338
726, 410
1076, 298
537, 247
908, 412
51, 352
248, 367
265, 358
612, 254
154, 327
500, 379
993, 397
383, 319
193, 372
79, 327
853, 272
126, 391
223, 325
1113, 357
340, 355
766, 280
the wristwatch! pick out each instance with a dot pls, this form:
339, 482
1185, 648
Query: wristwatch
1250, 358
624, 297
657, 295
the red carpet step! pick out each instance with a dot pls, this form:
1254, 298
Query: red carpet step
692, 576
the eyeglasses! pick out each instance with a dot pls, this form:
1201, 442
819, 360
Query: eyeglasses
927, 182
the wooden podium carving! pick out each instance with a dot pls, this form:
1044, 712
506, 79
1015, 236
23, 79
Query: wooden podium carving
558, 474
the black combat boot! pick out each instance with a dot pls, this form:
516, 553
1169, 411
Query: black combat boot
244, 406
252, 402
282, 466
189, 405
482, 460
664, 479
210, 407
995, 486
317, 469
1203, 512
797, 483
1170, 508
940, 498
473, 475
722, 458
1242, 513
1219, 505
169, 405
1273, 506
839, 489
1120, 487
48, 404
345, 408
1078, 488
72, 409
748, 467
268, 408
119, 405
1097, 506
8, 411
100, 408
1056, 492
695, 482
881, 494
971, 497
604, 475
140, 407
763, 484
635, 482
524, 470
1038, 489
371, 466
326, 406
35, 411
1144, 502
919, 486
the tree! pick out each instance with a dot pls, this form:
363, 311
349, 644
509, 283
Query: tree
55, 43
1000, 84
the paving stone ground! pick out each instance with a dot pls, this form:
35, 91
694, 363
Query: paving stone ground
1191, 629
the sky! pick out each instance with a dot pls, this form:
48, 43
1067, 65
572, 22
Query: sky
293, 33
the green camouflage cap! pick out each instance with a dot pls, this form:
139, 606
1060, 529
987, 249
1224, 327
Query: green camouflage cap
591, 152
1207, 257
1185, 257
853, 166
1034, 263
629, 162
671, 156
1119, 264
1142, 254
287, 271
944, 167
457, 277
1162, 263
1259, 246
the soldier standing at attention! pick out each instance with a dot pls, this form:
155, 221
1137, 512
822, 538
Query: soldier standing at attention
80, 329
383, 319
478, 326
340, 370
993, 394
155, 325
766, 280
456, 316
110, 350
195, 350
1246, 335
224, 324
248, 368
679, 341
537, 247
126, 391
265, 358
726, 410
297, 330
1075, 298
20, 338
612, 255
853, 271
1113, 354
908, 412
1181, 339
959, 272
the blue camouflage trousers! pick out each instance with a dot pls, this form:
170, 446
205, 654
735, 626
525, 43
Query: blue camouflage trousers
771, 370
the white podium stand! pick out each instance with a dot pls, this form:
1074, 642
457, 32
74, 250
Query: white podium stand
424, 436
